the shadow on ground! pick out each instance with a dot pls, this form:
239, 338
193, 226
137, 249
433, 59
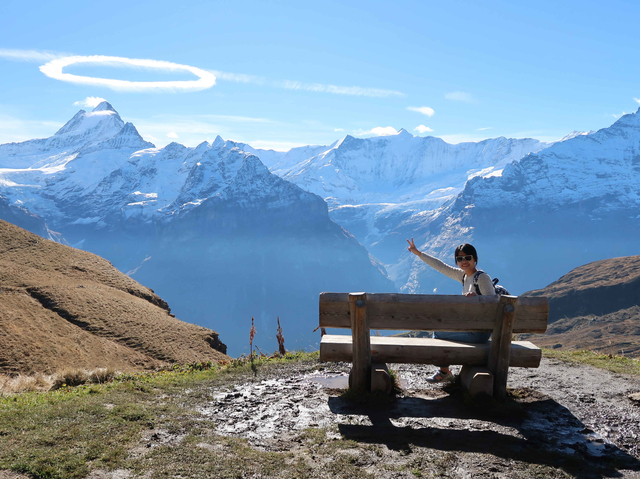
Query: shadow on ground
528, 427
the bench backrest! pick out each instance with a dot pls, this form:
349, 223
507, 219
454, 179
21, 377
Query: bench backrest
429, 312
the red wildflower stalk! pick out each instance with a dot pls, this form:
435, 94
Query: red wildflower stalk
252, 334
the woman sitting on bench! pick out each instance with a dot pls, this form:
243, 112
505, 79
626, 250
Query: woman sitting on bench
466, 258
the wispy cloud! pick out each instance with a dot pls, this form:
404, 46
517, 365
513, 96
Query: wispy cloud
338, 90
172, 134
239, 77
458, 96
422, 129
53, 69
637, 100
485, 128
338, 129
89, 102
425, 110
28, 55
379, 131
312, 87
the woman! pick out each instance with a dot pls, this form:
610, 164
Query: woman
466, 258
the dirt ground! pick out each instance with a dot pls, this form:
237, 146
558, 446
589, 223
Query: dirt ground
576, 421
560, 420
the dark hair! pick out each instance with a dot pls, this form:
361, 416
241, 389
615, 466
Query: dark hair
466, 249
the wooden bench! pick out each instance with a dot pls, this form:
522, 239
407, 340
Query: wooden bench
500, 315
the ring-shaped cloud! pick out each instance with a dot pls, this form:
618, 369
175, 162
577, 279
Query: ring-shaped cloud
53, 69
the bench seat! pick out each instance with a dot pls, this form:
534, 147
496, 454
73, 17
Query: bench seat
394, 349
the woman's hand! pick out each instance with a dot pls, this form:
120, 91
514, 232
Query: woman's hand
412, 247
470, 293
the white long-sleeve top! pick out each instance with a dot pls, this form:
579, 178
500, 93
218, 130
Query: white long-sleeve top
484, 280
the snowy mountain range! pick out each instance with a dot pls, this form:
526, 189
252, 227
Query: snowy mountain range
387, 189
225, 231
209, 228
575, 202
374, 186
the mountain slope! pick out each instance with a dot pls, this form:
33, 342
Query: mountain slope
63, 307
596, 307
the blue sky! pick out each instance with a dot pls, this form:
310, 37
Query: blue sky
297, 73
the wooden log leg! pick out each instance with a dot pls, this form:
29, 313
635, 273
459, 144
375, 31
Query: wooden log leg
501, 344
361, 371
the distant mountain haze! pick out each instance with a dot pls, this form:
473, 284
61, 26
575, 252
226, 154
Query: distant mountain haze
209, 228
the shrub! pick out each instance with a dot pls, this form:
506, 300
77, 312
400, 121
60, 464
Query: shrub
70, 377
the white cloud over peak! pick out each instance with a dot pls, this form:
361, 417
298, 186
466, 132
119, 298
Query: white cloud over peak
485, 128
422, 129
458, 96
172, 134
379, 131
53, 69
89, 102
425, 110
637, 99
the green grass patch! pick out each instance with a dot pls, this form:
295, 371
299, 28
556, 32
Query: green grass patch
616, 364
70, 431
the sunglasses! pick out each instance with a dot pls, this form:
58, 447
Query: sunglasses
460, 259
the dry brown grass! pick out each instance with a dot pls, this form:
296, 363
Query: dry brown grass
40, 382
21, 383
616, 333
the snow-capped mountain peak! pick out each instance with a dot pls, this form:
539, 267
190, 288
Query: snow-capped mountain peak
104, 106
218, 142
88, 129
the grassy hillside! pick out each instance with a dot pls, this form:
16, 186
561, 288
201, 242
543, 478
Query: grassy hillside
595, 307
61, 307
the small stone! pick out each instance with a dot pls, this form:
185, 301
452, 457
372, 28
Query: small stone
635, 397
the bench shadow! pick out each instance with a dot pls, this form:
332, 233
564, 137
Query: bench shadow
548, 433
